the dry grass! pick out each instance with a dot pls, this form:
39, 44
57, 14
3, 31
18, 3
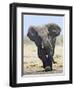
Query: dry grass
32, 64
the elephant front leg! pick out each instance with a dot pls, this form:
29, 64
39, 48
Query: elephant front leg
46, 59
48, 62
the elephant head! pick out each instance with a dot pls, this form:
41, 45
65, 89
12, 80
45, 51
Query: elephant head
44, 36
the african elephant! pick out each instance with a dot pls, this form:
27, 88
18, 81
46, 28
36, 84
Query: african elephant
45, 37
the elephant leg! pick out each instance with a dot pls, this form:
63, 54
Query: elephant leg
46, 59
42, 56
53, 44
48, 62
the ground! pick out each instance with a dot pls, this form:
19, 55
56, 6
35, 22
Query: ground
33, 65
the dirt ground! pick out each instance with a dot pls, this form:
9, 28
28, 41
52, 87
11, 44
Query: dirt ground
33, 65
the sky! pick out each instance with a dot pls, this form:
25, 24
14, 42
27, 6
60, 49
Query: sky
29, 20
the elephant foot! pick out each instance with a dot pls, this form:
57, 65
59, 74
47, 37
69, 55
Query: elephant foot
54, 62
48, 68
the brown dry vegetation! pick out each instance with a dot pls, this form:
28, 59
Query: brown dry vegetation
33, 65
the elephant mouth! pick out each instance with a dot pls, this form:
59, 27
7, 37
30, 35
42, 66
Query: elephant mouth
48, 51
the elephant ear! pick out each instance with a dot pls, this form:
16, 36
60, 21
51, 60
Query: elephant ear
54, 29
32, 34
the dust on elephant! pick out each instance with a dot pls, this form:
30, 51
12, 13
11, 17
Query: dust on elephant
45, 37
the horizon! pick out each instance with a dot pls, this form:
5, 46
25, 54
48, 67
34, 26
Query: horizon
35, 20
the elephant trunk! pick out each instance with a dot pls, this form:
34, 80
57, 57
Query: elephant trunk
48, 46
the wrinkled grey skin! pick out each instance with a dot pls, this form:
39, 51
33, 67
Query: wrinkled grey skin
45, 38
